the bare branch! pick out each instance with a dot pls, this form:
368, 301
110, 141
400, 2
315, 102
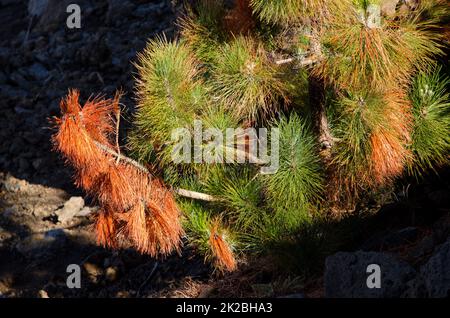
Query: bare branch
121, 157
300, 61
195, 195
181, 192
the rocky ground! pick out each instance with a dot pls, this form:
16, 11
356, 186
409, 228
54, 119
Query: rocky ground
45, 224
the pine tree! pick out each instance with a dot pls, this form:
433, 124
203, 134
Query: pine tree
354, 88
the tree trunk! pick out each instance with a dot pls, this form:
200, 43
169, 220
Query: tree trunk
317, 102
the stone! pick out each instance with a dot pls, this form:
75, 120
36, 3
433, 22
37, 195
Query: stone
94, 272
37, 7
85, 211
22, 111
392, 239
19, 80
43, 294
346, 275
38, 72
51, 14
424, 247
70, 209
118, 9
37, 163
112, 273
147, 10
436, 272
23, 164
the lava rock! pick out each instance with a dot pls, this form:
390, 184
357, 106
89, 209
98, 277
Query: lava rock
391, 239
118, 9
38, 72
70, 209
51, 14
436, 272
424, 247
346, 275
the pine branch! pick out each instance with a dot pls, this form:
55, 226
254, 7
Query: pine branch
182, 192
195, 195
121, 157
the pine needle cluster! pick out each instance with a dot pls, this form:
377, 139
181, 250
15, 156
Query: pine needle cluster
132, 202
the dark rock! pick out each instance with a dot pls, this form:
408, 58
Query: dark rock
38, 71
148, 10
112, 273
19, 80
36, 8
424, 247
41, 42
23, 164
37, 163
391, 240
5, 54
118, 9
6, 2
439, 198
346, 276
52, 15
73, 206
436, 272
401, 237
13, 92
22, 111
93, 271
16, 145
32, 138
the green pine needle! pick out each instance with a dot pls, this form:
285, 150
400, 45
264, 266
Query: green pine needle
431, 108
171, 96
298, 183
245, 81
240, 193
201, 28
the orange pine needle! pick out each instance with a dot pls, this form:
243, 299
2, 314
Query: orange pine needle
106, 229
222, 253
130, 199
389, 142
